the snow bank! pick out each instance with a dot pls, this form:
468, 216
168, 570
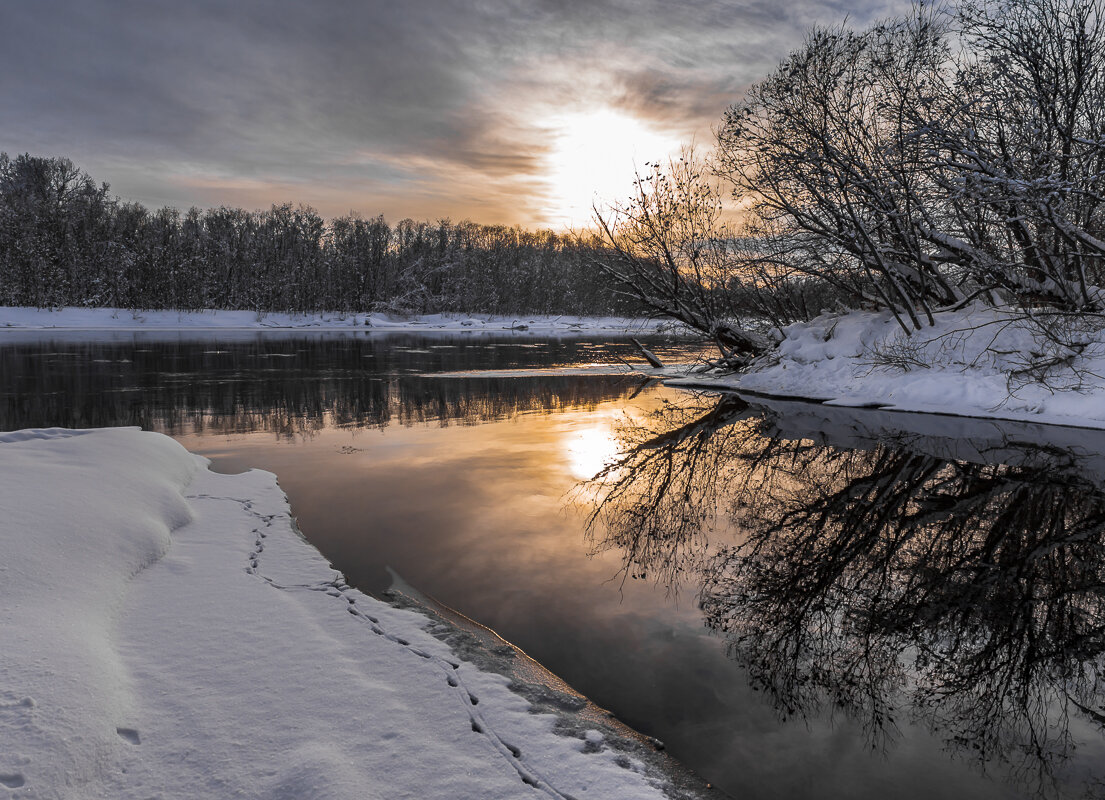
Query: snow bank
125, 319
949, 438
967, 364
166, 632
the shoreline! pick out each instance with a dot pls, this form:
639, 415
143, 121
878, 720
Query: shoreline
730, 386
979, 361
116, 319
199, 646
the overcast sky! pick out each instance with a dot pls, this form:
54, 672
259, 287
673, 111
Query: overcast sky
419, 108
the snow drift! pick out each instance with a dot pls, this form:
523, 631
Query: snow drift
979, 362
167, 632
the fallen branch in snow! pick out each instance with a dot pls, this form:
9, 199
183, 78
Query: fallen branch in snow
649, 356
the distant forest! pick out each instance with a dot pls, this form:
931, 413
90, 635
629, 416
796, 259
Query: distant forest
66, 241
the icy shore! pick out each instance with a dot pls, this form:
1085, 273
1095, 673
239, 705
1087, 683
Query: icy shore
167, 632
129, 319
978, 362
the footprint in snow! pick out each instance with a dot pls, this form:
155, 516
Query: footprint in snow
25, 702
13, 780
129, 734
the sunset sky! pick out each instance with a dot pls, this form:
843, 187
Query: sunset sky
513, 111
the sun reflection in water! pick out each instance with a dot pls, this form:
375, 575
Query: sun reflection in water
590, 449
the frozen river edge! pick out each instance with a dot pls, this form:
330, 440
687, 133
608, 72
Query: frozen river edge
125, 319
169, 632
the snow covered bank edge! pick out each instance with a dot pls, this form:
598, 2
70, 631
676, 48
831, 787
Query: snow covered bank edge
134, 319
977, 362
193, 644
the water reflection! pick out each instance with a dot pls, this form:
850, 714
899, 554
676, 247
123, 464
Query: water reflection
958, 582
294, 386
659, 499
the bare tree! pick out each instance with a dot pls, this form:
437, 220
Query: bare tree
936, 158
923, 163
668, 248
1028, 148
834, 147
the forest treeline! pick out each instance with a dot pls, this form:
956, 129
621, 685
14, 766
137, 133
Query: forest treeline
66, 241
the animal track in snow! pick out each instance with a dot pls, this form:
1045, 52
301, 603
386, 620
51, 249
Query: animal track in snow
25, 702
337, 588
511, 754
10, 703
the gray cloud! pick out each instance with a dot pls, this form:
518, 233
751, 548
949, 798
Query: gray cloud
425, 108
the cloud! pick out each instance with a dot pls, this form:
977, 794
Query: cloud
255, 102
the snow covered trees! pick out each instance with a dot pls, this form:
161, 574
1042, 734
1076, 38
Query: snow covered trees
53, 221
1030, 147
913, 166
935, 158
65, 241
829, 150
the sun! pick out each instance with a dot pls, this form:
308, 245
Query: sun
594, 161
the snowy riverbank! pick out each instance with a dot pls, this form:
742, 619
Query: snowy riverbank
976, 362
167, 632
127, 319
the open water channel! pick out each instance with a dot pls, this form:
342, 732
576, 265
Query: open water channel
800, 602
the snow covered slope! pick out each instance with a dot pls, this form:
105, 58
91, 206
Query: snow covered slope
979, 362
166, 632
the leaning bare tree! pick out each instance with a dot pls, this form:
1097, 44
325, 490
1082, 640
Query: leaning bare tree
669, 248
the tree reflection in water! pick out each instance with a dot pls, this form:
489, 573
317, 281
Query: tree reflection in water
292, 386
955, 583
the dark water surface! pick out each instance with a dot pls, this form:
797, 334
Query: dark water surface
799, 601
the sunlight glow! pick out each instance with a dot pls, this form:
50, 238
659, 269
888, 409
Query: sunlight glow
594, 160
590, 449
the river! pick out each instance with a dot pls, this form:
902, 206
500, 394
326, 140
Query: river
798, 601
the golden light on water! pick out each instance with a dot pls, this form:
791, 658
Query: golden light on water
594, 161
590, 449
